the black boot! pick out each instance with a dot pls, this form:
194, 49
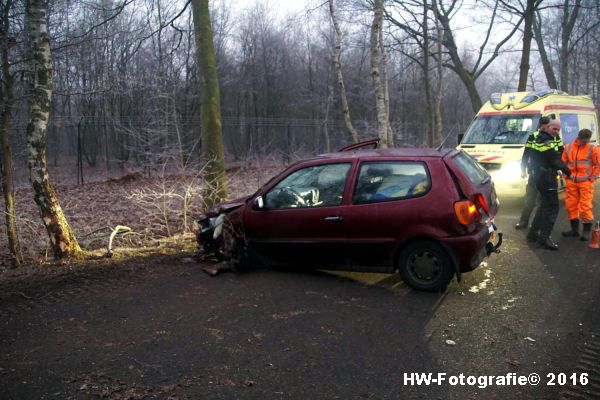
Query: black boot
574, 232
532, 236
585, 235
547, 243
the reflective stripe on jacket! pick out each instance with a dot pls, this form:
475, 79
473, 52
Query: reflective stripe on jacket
583, 161
531, 139
546, 159
558, 144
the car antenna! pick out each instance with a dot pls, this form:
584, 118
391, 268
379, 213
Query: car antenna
446, 138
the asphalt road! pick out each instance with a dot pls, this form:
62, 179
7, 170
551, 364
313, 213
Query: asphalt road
161, 328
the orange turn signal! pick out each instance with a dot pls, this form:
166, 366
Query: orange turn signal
466, 212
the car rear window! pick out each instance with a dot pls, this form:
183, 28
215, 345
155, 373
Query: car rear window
471, 168
390, 180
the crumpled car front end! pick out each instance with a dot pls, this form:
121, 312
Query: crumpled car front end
210, 229
215, 228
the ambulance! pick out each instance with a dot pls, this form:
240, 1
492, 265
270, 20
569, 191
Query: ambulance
497, 136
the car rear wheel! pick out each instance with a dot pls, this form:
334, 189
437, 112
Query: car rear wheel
425, 265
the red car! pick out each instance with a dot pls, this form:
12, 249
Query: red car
424, 213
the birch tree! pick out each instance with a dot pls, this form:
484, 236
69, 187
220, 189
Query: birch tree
62, 238
210, 106
386, 87
376, 64
337, 66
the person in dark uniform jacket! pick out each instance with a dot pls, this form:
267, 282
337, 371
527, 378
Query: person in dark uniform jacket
531, 193
546, 163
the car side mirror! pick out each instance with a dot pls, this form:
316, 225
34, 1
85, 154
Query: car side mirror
460, 137
258, 203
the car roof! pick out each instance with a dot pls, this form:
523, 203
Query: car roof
388, 153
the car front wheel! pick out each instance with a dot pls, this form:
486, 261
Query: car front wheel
425, 265
233, 247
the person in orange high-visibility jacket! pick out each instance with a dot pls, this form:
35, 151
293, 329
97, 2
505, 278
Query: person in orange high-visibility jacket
583, 159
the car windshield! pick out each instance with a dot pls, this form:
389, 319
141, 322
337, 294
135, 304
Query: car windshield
501, 129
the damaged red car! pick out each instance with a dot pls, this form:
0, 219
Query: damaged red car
426, 214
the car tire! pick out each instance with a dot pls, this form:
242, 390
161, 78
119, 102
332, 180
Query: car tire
426, 266
234, 248
239, 258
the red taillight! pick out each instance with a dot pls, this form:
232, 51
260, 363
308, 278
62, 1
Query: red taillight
466, 212
482, 203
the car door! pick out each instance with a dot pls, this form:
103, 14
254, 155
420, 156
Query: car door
301, 220
389, 202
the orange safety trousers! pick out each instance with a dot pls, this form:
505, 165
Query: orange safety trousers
578, 200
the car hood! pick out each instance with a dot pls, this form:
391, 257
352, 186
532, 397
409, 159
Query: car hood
232, 204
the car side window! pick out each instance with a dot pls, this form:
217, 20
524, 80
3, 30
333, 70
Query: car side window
316, 186
390, 180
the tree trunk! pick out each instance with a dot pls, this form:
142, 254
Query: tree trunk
529, 16
386, 89
465, 76
337, 66
62, 239
437, 113
567, 24
210, 106
539, 40
382, 118
326, 117
426, 79
6, 167
14, 246
470, 76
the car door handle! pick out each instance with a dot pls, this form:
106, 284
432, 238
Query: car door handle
334, 218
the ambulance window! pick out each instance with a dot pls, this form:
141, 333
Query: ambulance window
501, 129
569, 126
588, 121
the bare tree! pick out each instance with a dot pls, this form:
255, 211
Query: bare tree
544, 56
414, 21
376, 64
337, 65
210, 108
62, 238
528, 18
429, 102
437, 102
578, 21
7, 99
570, 13
527, 11
386, 87
469, 76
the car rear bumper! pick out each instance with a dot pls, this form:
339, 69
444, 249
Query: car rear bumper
470, 250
